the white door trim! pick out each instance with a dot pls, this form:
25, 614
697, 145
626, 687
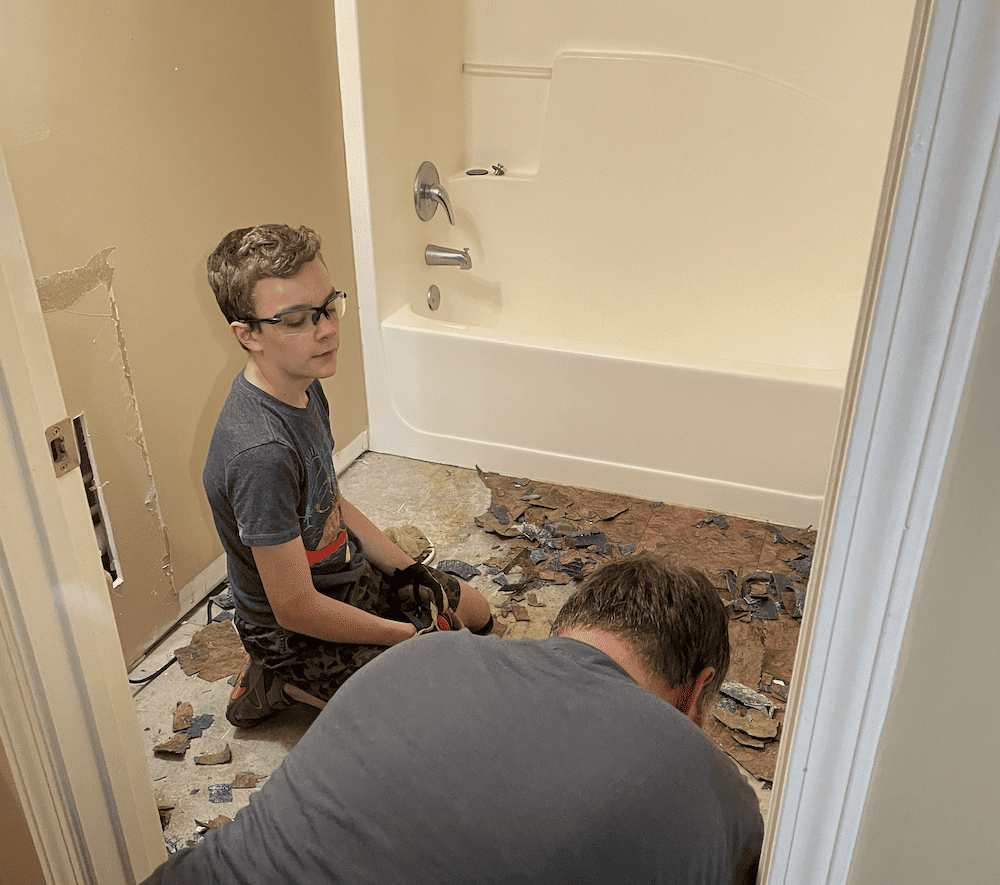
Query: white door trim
68, 724
930, 275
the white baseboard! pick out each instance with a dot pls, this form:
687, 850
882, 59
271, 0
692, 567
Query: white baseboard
195, 590
352, 451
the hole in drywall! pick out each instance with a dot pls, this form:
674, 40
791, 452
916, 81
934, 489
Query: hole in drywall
95, 498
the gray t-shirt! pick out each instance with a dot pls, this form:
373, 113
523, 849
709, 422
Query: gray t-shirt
458, 758
269, 478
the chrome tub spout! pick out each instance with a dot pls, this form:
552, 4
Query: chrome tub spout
443, 255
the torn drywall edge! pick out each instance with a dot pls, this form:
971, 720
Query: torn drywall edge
60, 291
152, 499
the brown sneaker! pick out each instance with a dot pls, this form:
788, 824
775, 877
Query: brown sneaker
257, 696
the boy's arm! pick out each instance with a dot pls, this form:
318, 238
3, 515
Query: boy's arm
300, 607
383, 554
379, 550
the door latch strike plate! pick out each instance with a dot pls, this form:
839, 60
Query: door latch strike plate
65, 454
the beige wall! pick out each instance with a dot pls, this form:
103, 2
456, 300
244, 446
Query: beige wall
152, 130
932, 810
411, 79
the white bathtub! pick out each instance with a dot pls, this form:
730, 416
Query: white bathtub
663, 303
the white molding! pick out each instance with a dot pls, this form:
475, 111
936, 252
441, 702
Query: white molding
932, 265
193, 593
68, 724
351, 452
353, 109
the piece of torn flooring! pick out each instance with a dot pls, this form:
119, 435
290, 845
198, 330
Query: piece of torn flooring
215, 651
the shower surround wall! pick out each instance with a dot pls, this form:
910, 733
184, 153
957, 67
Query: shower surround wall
665, 282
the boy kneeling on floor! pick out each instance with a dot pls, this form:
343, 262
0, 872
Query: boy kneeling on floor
319, 590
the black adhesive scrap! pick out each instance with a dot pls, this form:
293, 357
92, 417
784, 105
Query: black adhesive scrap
573, 567
731, 583
220, 792
776, 535
802, 563
758, 578
757, 584
588, 538
782, 583
529, 531
458, 568
626, 549
199, 725
764, 608
500, 512
718, 519
537, 555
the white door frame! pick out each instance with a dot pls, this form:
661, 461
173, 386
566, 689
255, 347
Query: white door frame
930, 275
68, 726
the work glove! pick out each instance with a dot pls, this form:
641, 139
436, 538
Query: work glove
422, 598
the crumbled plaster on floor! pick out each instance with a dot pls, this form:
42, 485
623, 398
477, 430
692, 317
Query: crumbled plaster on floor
62, 290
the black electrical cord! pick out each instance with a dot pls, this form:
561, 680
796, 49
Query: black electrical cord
152, 676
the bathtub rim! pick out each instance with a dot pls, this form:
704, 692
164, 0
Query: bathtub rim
406, 317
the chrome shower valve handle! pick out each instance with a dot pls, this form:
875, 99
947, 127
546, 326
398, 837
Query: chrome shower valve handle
428, 193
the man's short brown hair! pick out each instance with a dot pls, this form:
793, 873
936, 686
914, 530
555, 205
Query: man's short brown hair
250, 254
671, 617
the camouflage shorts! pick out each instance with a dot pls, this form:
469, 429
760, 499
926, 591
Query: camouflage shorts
321, 667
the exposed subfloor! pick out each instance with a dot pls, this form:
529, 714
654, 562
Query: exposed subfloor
444, 501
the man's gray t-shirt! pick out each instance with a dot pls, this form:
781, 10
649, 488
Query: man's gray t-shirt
269, 478
458, 758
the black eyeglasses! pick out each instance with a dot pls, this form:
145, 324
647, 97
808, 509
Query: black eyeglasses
294, 321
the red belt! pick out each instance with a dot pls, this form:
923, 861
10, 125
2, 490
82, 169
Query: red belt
315, 556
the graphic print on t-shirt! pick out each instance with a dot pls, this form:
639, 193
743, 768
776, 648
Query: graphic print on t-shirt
324, 508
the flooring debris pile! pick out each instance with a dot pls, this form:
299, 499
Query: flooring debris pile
215, 652
558, 535
548, 537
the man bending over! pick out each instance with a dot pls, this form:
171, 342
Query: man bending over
571, 759
316, 585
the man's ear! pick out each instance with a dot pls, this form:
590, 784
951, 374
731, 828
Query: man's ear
687, 698
245, 335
